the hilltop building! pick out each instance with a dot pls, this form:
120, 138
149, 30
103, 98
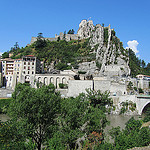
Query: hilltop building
61, 36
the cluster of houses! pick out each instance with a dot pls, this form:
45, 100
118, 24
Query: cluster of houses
30, 70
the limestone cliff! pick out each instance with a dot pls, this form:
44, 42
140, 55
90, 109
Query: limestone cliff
111, 58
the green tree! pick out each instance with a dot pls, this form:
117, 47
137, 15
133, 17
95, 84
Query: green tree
70, 31
143, 64
40, 35
5, 55
36, 111
81, 116
132, 136
130, 85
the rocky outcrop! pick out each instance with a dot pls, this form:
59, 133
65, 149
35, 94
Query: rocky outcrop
111, 58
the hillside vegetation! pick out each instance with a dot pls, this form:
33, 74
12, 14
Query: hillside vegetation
61, 52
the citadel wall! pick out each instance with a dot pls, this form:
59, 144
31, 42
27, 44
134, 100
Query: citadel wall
67, 37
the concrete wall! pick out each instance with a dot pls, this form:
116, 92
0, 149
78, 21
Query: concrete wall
5, 93
103, 85
78, 86
119, 89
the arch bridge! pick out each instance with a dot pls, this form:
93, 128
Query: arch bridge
142, 101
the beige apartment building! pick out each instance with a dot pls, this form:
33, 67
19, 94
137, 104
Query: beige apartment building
19, 70
7, 71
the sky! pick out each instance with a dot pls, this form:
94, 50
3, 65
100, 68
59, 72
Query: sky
22, 19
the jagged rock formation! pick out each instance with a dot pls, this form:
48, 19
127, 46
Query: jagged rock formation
111, 58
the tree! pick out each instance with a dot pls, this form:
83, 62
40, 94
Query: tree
16, 46
5, 55
64, 36
70, 31
36, 111
40, 35
143, 64
132, 136
80, 116
130, 85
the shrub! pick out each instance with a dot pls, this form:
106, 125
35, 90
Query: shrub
4, 103
62, 86
141, 91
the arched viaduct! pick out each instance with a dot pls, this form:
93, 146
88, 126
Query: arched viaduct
141, 102
52, 78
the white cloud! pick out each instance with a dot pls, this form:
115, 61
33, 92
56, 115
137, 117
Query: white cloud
133, 45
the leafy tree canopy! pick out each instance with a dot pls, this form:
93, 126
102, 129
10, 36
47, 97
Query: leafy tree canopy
5, 55
36, 111
71, 31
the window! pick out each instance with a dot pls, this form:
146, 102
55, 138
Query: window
28, 63
28, 72
32, 72
28, 68
32, 63
24, 67
18, 65
24, 63
17, 72
24, 72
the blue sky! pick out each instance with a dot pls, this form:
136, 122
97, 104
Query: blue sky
22, 19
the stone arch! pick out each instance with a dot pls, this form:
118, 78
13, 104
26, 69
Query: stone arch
39, 79
57, 82
145, 107
51, 80
45, 81
64, 81
27, 79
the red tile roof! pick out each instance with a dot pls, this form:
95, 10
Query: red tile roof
30, 56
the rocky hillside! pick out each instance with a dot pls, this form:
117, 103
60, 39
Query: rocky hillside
111, 58
97, 52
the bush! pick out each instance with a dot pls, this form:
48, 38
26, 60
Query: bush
4, 103
63, 86
140, 91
